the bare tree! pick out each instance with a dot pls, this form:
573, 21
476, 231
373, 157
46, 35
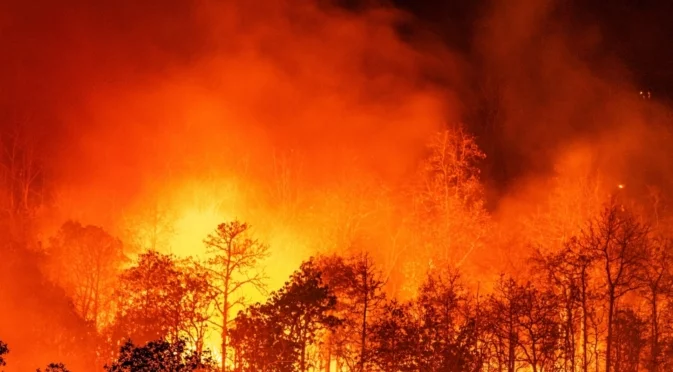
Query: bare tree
505, 308
618, 242
629, 340
234, 260
151, 229
85, 261
22, 190
161, 297
575, 195
196, 303
568, 274
447, 202
656, 279
581, 264
562, 280
367, 292
539, 322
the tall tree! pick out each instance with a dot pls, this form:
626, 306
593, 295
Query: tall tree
22, 180
581, 264
540, 336
158, 299
504, 310
366, 291
196, 304
85, 261
358, 285
656, 280
629, 341
618, 241
567, 274
269, 336
305, 305
448, 202
395, 339
446, 332
261, 343
666, 337
338, 275
234, 261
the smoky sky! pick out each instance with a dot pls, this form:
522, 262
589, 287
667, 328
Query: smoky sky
526, 78
601, 48
637, 31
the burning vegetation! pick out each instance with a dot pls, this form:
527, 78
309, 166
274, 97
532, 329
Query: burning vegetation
317, 186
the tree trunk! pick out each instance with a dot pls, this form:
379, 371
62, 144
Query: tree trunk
585, 327
570, 334
96, 299
534, 353
511, 343
597, 365
302, 361
655, 335
225, 316
328, 357
363, 336
225, 308
608, 343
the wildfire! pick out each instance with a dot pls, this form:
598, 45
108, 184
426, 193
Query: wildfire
323, 130
197, 207
191, 227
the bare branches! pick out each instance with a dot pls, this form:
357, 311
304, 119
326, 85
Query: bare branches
84, 261
234, 263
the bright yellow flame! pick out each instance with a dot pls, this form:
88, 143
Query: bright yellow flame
191, 228
621, 186
197, 207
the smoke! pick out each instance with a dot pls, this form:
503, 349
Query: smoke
140, 94
241, 110
564, 123
552, 82
290, 117
124, 94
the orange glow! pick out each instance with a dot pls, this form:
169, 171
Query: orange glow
311, 123
196, 208
191, 227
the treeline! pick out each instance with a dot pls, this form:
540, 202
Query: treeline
86, 296
601, 303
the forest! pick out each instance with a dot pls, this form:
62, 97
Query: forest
597, 300
336, 186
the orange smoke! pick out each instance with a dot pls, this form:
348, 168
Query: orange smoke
264, 120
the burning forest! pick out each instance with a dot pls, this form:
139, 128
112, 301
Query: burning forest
337, 186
